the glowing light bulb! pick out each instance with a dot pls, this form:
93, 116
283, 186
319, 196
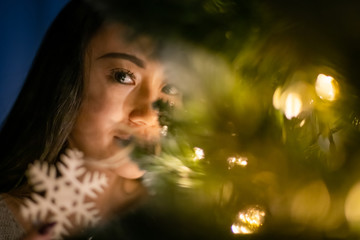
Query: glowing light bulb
302, 123
198, 154
326, 87
236, 229
293, 105
294, 99
248, 221
237, 161
164, 130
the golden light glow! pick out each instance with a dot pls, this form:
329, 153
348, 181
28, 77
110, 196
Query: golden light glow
198, 154
236, 229
311, 204
326, 87
237, 161
293, 105
164, 130
352, 206
295, 98
277, 98
302, 123
248, 221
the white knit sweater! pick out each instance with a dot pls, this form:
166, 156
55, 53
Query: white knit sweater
10, 229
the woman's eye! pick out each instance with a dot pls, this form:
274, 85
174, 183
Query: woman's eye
124, 77
170, 90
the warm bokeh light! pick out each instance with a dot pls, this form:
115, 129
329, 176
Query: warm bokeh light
236, 229
164, 130
277, 98
311, 204
248, 221
295, 98
302, 123
293, 105
326, 87
352, 206
198, 153
237, 161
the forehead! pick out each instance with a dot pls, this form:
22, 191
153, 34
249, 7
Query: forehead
116, 37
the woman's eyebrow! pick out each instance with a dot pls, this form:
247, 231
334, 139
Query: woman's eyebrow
125, 56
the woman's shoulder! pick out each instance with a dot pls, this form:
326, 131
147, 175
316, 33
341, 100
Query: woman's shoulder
9, 227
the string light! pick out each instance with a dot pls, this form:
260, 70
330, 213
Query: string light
302, 123
164, 130
326, 87
236, 229
293, 105
237, 161
294, 99
248, 221
198, 154
277, 98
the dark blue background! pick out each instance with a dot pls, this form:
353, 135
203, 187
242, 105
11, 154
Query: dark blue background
23, 23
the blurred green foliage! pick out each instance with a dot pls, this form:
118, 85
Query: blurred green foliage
229, 57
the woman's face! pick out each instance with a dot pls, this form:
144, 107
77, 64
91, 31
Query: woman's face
122, 81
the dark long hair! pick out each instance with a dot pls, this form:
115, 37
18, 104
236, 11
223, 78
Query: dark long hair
45, 111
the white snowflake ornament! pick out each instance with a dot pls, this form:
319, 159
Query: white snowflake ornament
65, 199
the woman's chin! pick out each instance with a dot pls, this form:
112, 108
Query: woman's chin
129, 170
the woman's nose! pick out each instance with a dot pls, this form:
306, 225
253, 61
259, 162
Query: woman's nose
144, 116
143, 113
